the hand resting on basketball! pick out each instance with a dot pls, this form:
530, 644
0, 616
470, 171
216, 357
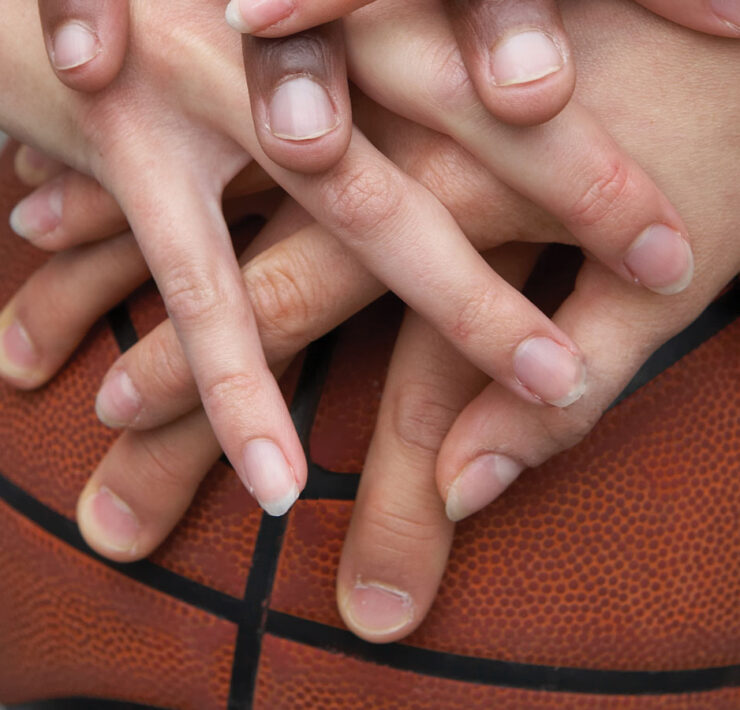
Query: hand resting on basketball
398, 483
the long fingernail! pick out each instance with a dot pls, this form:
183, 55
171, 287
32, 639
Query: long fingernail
268, 477
38, 214
73, 45
32, 167
550, 371
248, 16
661, 260
525, 57
118, 402
379, 609
106, 519
18, 355
300, 110
483, 480
729, 11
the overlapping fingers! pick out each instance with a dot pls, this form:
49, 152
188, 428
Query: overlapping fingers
397, 545
570, 166
716, 17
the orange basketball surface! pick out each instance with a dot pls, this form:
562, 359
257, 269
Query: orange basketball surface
607, 578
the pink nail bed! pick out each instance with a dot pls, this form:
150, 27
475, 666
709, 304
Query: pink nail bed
18, 348
38, 214
550, 371
661, 260
249, 16
379, 609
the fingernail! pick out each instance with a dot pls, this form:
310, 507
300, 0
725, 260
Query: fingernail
661, 260
268, 477
32, 167
551, 372
106, 519
300, 109
73, 45
38, 214
483, 480
729, 11
118, 402
18, 354
379, 609
248, 16
525, 57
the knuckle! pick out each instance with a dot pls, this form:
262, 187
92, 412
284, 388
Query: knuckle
160, 367
163, 462
561, 432
361, 197
474, 310
396, 531
421, 419
230, 393
192, 298
604, 195
285, 299
450, 88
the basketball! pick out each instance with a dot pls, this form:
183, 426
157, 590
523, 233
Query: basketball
606, 579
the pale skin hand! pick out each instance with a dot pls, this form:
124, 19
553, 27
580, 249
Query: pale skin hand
399, 477
199, 146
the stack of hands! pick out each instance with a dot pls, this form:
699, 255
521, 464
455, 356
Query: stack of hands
457, 153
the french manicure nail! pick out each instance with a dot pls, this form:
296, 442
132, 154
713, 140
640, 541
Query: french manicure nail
106, 519
525, 57
248, 16
118, 402
268, 477
483, 480
32, 167
729, 11
38, 214
550, 371
379, 609
73, 45
661, 260
18, 355
300, 110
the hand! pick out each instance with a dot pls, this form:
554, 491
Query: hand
406, 444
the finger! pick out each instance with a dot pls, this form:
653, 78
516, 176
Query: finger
55, 308
300, 97
570, 166
69, 210
716, 17
300, 288
496, 438
207, 300
518, 56
397, 545
86, 40
279, 18
33, 168
144, 485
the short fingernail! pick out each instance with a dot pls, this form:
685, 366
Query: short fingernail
483, 480
661, 260
379, 609
301, 109
73, 45
268, 477
106, 519
729, 11
33, 167
38, 214
550, 371
249, 16
18, 355
525, 57
118, 402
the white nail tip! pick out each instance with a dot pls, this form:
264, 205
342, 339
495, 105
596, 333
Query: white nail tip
281, 506
234, 18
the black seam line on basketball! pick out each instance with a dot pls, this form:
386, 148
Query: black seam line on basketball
269, 542
279, 624
145, 572
83, 704
715, 318
470, 669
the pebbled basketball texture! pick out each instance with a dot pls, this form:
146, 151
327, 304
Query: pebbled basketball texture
607, 578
